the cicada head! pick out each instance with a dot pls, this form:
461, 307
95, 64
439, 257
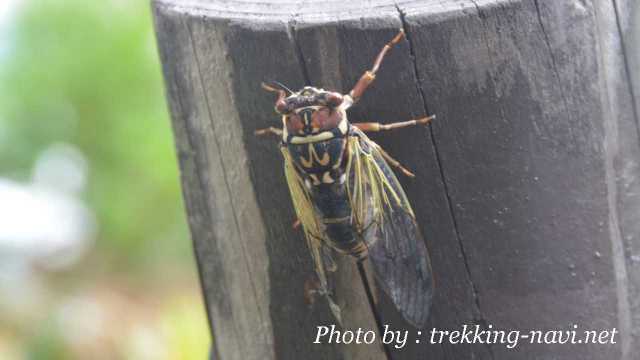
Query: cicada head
312, 110
308, 96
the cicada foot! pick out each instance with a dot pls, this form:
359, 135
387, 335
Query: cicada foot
360, 252
327, 258
376, 126
312, 290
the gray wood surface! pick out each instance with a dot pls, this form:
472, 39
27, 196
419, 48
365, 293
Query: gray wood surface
527, 188
623, 49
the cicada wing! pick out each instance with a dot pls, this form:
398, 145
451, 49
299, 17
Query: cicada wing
401, 264
397, 251
313, 230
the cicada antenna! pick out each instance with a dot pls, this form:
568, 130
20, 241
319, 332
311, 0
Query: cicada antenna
283, 86
271, 88
280, 106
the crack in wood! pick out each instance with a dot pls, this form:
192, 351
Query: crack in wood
292, 32
368, 285
482, 16
192, 195
184, 158
226, 182
416, 75
554, 66
627, 69
613, 147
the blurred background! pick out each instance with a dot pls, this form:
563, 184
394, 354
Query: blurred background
95, 256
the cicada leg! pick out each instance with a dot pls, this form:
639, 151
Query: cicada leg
370, 75
374, 126
395, 163
312, 289
268, 131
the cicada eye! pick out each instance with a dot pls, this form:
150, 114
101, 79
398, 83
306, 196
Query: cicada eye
282, 107
334, 99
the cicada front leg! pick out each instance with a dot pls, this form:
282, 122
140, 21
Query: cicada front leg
279, 104
268, 131
370, 75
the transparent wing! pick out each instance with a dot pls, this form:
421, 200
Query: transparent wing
385, 220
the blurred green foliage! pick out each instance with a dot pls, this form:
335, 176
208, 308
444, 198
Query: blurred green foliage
87, 73
47, 345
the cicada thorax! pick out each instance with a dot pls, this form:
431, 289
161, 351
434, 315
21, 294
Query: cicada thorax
316, 138
312, 120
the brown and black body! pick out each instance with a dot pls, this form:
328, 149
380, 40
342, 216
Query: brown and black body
346, 196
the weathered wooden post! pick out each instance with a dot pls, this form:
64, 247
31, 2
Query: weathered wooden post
527, 185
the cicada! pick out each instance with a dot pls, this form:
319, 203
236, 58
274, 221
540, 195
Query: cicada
345, 194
